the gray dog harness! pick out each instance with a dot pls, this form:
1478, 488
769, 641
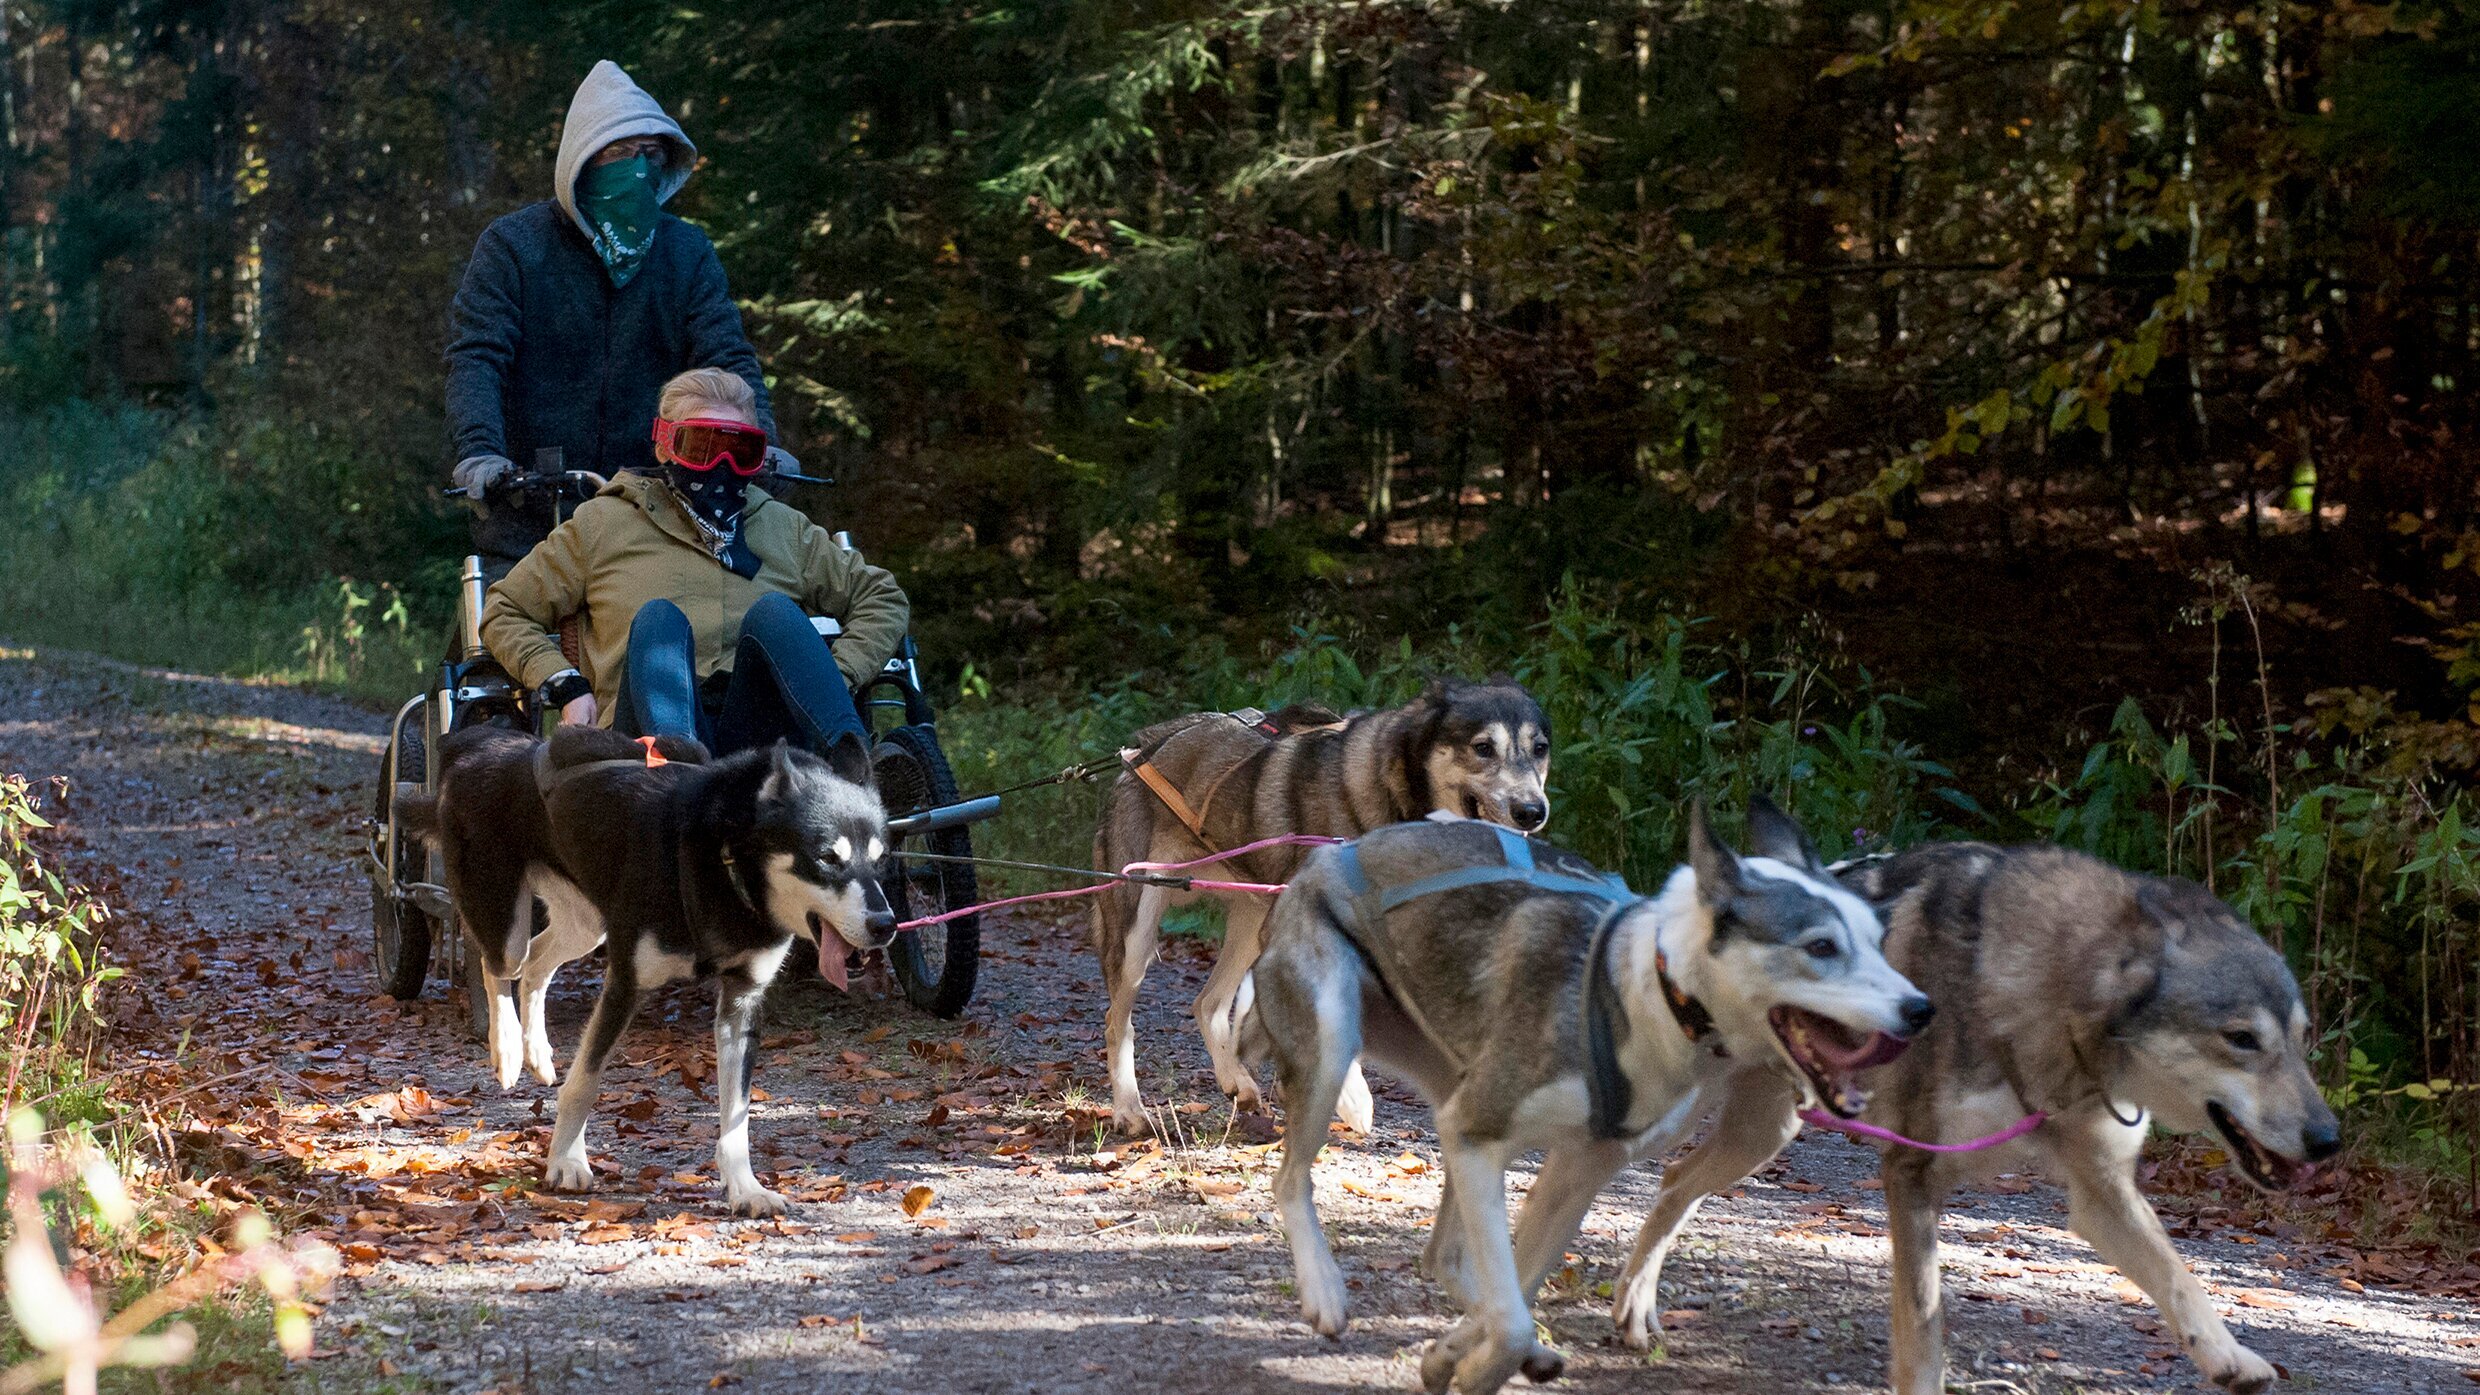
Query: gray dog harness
1604, 1017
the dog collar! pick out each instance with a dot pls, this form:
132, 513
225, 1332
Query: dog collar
740, 885
1695, 1023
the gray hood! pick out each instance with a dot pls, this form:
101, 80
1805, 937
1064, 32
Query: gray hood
609, 107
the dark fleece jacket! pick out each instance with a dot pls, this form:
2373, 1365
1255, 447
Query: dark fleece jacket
544, 351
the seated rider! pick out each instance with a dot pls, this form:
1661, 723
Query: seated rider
696, 589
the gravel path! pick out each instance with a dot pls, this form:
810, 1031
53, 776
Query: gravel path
227, 819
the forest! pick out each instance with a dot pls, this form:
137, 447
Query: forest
1960, 418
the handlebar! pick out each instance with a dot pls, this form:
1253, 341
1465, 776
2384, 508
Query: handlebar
510, 484
567, 478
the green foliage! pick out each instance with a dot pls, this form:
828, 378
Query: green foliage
51, 965
136, 538
1645, 718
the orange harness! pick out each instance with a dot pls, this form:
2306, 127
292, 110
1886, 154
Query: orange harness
1141, 765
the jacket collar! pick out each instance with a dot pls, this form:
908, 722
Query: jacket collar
654, 497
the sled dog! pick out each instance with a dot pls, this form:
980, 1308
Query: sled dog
2108, 999
1537, 1004
1212, 781
494, 835
712, 868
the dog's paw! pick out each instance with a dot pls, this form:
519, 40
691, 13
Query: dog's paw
755, 1202
506, 1062
2242, 1373
1245, 1098
1489, 1364
538, 1060
1440, 1358
569, 1174
1322, 1300
1354, 1107
1635, 1315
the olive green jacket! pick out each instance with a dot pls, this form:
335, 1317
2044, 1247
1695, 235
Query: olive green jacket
633, 543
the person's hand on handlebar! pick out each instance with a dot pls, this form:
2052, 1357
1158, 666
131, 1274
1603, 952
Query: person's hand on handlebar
476, 474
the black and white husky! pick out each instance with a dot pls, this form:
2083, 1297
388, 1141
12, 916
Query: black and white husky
1549, 1009
494, 836
710, 869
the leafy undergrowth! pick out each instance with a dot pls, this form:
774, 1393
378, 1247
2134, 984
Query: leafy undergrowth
112, 1265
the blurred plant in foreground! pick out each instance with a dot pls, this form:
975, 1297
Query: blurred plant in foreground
53, 1302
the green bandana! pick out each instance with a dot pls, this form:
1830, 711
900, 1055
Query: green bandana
617, 201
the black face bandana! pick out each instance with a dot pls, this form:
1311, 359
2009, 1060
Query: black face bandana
714, 498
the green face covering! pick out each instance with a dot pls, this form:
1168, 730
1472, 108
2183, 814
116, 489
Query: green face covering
618, 202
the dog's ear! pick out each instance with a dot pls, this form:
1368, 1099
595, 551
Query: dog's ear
1718, 877
779, 774
2175, 906
850, 760
1775, 834
2132, 962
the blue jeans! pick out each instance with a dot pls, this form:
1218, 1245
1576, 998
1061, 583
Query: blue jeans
784, 684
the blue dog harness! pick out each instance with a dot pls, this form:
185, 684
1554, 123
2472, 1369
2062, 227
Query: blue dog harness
1604, 1017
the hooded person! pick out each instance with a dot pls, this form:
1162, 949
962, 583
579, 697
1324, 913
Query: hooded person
575, 311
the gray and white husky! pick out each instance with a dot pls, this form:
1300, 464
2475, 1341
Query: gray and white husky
1550, 1010
713, 868
2063, 984
1469, 750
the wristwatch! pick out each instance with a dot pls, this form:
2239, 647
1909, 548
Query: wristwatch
564, 687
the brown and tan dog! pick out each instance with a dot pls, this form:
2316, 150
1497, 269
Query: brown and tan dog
1212, 781
2108, 1000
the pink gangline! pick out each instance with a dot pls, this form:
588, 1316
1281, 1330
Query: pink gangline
1857, 1129
1250, 888
1280, 840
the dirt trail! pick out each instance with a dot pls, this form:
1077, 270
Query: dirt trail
226, 819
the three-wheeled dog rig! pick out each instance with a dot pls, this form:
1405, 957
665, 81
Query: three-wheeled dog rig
413, 921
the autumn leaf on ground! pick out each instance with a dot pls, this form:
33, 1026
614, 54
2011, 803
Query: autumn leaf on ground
917, 1198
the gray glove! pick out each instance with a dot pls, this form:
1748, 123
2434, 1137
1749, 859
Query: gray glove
475, 474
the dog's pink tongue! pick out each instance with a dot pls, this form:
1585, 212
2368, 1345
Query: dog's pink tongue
831, 964
1880, 1048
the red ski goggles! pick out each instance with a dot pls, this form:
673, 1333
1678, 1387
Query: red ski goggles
702, 443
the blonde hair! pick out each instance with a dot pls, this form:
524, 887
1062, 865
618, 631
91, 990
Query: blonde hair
706, 387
